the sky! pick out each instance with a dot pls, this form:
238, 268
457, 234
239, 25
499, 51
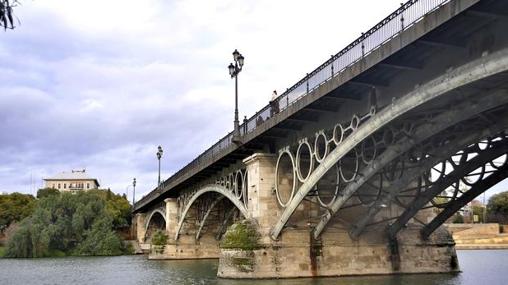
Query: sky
100, 84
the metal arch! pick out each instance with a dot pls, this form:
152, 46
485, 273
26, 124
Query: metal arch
443, 183
224, 223
210, 188
467, 197
161, 211
439, 123
411, 175
205, 217
473, 71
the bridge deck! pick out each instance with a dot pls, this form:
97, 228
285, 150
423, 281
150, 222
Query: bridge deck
367, 63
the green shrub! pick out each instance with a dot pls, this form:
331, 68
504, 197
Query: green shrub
80, 224
458, 219
241, 235
159, 238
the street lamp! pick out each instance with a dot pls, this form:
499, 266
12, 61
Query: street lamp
234, 70
159, 155
133, 191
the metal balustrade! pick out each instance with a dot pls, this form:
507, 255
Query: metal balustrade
404, 17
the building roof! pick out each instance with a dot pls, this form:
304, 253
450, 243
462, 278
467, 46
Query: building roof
73, 175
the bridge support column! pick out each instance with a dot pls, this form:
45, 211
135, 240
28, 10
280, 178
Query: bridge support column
262, 203
140, 227
171, 217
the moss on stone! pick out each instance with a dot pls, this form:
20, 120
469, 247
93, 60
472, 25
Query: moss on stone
241, 235
244, 264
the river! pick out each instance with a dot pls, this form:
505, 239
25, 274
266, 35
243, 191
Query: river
484, 267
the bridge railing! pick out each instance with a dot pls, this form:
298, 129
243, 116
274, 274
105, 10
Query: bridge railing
404, 17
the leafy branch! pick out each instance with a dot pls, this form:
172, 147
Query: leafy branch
7, 13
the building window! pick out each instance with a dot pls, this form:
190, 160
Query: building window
65, 185
87, 185
58, 185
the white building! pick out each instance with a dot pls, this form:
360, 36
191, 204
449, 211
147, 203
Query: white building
76, 180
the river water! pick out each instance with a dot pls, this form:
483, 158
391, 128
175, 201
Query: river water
484, 267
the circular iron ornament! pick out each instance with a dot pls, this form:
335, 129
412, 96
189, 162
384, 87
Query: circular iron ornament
338, 134
281, 154
497, 164
337, 177
320, 157
355, 169
372, 110
355, 122
245, 188
474, 177
369, 144
231, 182
483, 145
442, 200
239, 186
304, 143
440, 171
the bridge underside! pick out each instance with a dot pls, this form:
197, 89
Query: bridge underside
361, 179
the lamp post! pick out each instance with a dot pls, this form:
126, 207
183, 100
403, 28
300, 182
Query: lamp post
159, 155
234, 70
133, 191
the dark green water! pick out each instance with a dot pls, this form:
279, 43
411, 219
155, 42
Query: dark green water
484, 267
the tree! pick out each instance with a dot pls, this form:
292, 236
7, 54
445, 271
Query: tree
44, 192
497, 208
7, 14
14, 208
67, 224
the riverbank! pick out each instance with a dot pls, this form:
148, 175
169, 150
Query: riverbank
2, 251
479, 236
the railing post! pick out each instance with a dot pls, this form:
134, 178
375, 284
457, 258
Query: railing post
402, 17
332, 64
363, 46
307, 82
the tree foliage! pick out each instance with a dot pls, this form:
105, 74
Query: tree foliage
14, 208
497, 208
159, 238
7, 13
77, 224
45, 192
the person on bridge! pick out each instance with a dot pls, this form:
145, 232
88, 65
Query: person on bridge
274, 104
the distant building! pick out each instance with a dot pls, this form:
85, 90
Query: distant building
76, 180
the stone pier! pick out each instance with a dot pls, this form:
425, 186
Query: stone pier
297, 254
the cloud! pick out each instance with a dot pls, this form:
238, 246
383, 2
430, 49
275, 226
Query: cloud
99, 84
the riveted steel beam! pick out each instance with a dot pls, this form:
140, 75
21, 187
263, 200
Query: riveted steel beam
205, 217
411, 175
462, 112
466, 74
467, 197
459, 172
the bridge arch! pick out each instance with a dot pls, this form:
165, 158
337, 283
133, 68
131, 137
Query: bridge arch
474, 71
157, 219
212, 188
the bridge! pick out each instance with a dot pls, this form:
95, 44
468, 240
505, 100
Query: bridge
355, 168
